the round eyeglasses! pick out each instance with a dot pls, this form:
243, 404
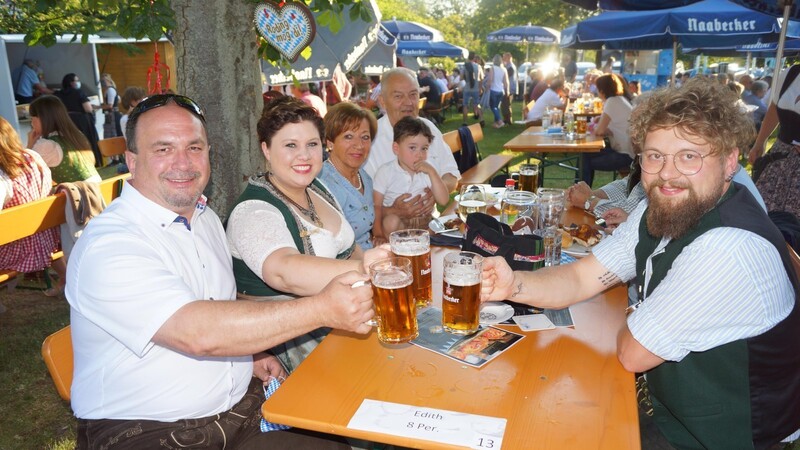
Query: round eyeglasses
687, 162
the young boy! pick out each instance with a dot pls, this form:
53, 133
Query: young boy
410, 173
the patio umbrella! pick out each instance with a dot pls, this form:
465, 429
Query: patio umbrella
411, 31
381, 57
527, 34
788, 9
345, 49
768, 49
705, 24
765, 47
430, 48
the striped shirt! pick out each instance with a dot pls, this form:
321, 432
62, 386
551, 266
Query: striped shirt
617, 193
728, 284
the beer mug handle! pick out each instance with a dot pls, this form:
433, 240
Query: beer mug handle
374, 321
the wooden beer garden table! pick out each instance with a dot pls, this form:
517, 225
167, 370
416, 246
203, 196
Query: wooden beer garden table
558, 389
534, 140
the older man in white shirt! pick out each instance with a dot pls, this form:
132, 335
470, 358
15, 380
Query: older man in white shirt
400, 98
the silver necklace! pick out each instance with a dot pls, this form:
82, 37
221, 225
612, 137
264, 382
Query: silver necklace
310, 212
358, 174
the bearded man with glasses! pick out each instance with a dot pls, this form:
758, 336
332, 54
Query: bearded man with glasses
716, 323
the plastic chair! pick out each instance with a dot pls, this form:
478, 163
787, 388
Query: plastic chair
57, 354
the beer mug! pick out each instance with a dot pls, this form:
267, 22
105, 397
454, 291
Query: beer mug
461, 292
598, 106
529, 177
551, 205
395, 309
416, 246
580, 126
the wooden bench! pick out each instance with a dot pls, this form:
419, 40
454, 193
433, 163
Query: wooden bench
112, 147
486, 167
431, 111
527, 108
25, 220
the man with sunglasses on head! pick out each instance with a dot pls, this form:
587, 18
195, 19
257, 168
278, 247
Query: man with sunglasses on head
715, 326
163, 357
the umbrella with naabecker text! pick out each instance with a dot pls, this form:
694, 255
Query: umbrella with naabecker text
411, 31
430, 49
705, 24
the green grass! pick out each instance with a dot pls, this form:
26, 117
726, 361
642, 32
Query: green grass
32, 415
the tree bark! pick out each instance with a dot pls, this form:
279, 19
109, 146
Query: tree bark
217, 63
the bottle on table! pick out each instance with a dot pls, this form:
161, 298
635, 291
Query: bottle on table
569, 124
517, 205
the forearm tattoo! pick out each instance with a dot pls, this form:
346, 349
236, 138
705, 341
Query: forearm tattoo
608, 279
518, 291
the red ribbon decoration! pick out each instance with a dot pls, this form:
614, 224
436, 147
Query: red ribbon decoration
156, 68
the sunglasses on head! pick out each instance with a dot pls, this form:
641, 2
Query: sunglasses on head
159, 100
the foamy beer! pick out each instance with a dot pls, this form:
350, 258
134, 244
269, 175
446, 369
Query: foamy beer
416, 246
461, 292
395, 309
529, 177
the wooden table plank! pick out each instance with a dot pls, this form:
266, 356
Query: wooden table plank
531, 140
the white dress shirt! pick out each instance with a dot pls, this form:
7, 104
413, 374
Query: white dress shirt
131, 270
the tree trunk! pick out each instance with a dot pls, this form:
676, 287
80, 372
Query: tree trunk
217, 63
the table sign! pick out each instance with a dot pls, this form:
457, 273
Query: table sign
438, 425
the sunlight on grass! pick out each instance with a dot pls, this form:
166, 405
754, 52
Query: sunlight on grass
63, 444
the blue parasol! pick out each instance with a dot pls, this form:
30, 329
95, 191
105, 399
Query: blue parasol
788, 9
696, 25
411, 31
430, 48
525, 33
706, 24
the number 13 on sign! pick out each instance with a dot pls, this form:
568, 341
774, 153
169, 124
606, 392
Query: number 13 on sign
482, 441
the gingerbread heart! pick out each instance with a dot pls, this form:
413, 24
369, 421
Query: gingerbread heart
289, 28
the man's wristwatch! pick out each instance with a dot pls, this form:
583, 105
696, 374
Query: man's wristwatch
588, 205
